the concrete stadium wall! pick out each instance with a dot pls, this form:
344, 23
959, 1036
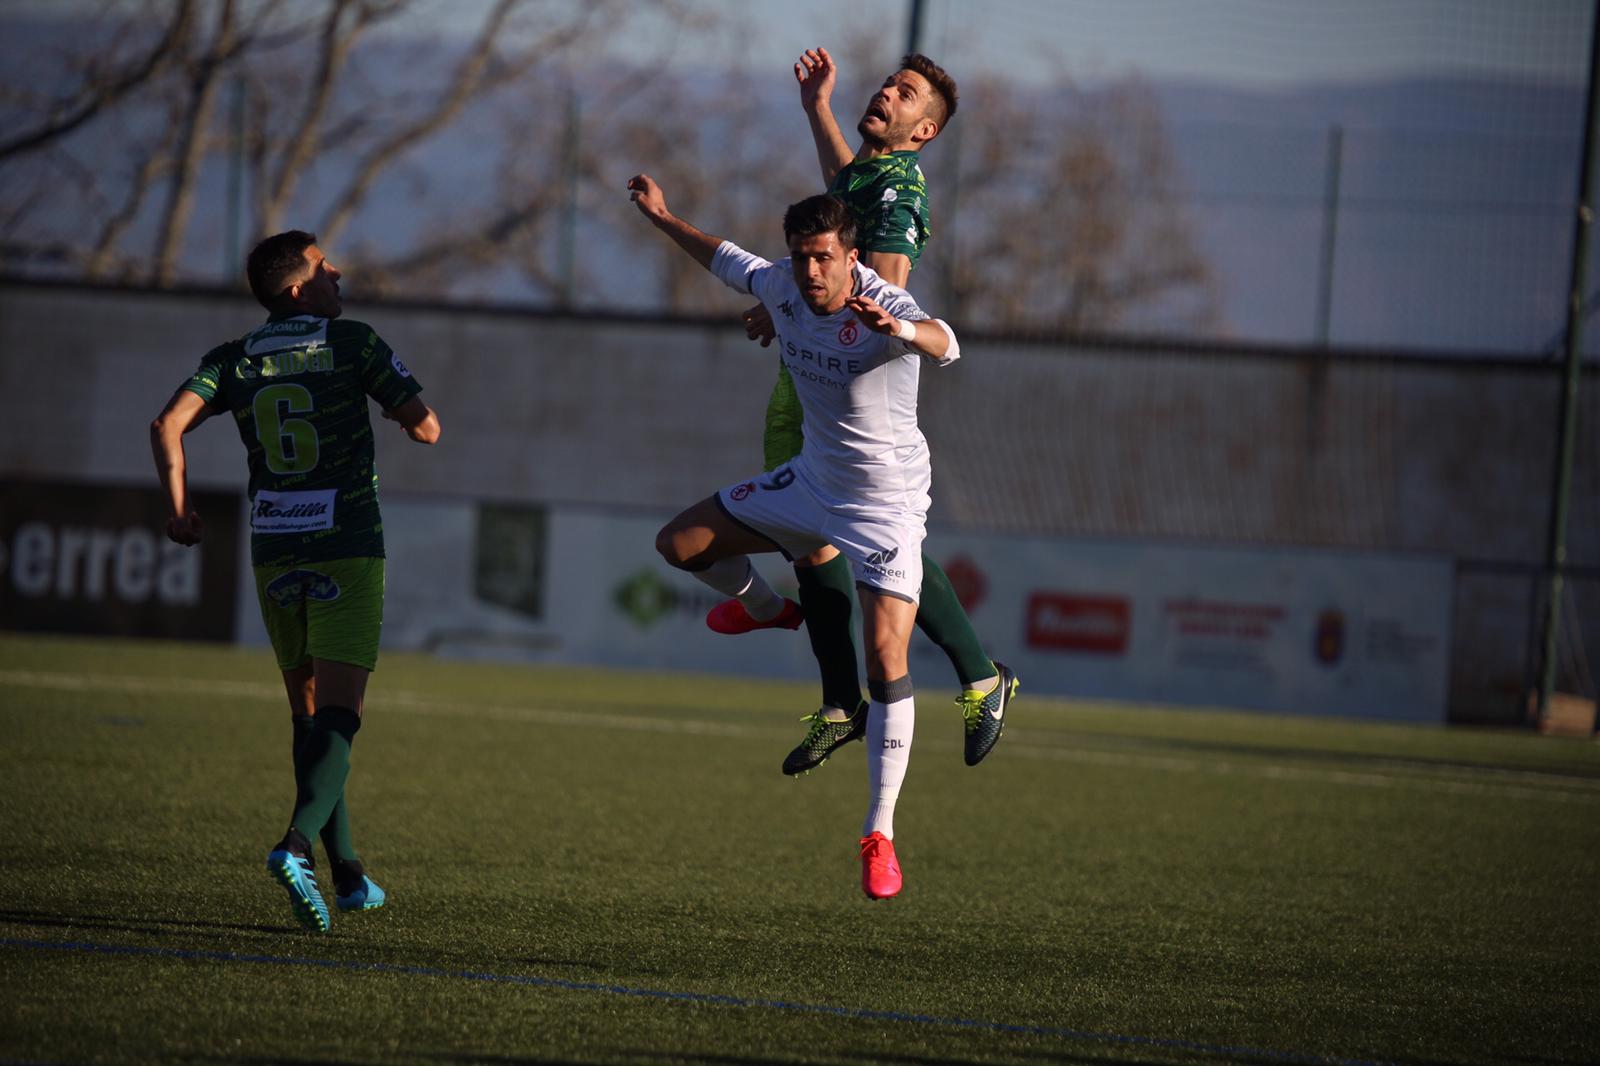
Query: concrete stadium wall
1217, 446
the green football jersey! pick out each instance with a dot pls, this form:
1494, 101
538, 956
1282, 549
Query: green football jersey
888, 196
298, 387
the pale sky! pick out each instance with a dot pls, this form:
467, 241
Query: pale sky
1259, 43
1254, 43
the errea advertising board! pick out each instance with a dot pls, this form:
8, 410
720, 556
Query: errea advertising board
95, 559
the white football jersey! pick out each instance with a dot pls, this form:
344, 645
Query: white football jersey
863, 451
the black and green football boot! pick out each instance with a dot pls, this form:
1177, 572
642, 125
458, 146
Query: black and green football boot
985, 714
822, 738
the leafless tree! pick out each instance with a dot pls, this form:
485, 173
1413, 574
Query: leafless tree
298, 113
495, 162
1068, 217
102, 79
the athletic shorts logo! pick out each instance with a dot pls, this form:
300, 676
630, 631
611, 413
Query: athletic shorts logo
781, 478
742, 492
849, 333
296, 586
884, 558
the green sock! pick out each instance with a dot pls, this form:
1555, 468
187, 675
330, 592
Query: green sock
941, 617
828, 598
321, 766
336, 834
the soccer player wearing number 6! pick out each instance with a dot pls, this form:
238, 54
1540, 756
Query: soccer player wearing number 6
297, 389
854, 345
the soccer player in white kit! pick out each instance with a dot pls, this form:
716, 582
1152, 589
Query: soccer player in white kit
854, 345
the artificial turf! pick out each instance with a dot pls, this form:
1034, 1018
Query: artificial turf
601, 866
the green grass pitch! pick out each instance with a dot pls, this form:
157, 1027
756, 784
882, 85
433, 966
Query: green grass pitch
601, 866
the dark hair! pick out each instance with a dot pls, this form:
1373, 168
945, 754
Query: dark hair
275, 262
816, 215
944, 86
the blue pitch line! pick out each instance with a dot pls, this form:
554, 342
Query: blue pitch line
859, 1013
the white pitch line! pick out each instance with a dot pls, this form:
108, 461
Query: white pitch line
1455, 780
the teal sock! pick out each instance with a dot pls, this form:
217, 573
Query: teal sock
321, 766
942, 618
828, 598
336, 834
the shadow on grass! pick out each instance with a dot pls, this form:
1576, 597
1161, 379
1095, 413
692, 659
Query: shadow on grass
133, 924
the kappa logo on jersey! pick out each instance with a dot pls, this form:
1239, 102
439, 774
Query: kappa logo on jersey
890, 196
299, 585
849, 333
911, 234
742, 492
788, 310
399, 367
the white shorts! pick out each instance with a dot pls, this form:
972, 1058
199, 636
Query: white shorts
884, 549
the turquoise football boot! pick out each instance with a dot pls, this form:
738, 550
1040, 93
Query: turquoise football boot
299, 878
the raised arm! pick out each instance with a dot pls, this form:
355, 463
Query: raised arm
183, 412
652, 204
815, 72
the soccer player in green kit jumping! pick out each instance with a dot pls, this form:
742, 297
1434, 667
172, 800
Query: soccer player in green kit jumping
297, 388
883, 186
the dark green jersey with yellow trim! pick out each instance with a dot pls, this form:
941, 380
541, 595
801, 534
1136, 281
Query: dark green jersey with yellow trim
297, 387
888, 196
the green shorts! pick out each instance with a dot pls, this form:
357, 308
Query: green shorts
329, 610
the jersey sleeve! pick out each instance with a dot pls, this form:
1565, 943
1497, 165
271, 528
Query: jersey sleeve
206, 381
740, 270
383, 376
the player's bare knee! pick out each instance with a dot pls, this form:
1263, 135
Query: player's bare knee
670, 546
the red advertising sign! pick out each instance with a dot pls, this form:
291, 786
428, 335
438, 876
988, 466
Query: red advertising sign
1061, 621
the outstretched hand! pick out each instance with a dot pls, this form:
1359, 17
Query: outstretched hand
648, 197
815, 73
871, 315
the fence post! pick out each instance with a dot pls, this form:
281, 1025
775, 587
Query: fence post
1556, 556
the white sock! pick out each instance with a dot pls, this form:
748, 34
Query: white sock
738, 578
890, 722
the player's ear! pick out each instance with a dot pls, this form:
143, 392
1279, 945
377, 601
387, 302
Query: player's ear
926, 129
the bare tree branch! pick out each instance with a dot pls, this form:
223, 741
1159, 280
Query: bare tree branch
473, 76
196, 120
102, 92
334, 46
158, 162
